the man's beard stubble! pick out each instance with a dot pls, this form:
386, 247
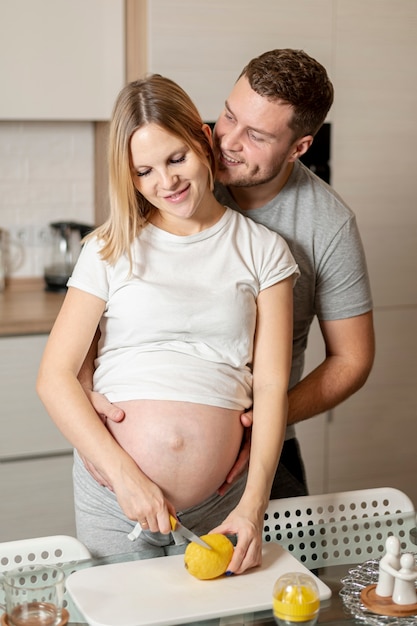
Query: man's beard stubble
225, 175
254, 179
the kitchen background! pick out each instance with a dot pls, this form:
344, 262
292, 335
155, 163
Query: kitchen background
59, 78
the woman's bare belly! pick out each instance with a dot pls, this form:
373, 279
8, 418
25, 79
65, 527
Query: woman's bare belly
187, 449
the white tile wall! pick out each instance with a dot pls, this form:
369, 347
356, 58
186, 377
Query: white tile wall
46, 174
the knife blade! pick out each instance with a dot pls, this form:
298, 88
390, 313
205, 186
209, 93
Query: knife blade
188, 534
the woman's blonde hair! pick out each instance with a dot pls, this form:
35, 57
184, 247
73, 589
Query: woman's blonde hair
151, 100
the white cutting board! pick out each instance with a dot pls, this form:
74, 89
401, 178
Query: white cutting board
160, 591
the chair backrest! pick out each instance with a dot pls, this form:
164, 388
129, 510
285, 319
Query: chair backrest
42, 551
349, 536
55, 549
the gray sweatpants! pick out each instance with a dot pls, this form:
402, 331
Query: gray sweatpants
103, 527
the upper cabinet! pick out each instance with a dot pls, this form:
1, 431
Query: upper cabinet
61, 59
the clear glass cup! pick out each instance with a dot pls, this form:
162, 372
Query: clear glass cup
33, 595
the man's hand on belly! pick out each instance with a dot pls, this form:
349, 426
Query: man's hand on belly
104, 408
242, 460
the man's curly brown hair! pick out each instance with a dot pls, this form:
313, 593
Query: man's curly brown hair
293, 77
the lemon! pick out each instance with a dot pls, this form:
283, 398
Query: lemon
206, 564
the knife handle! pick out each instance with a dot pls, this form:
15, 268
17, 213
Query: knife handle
135, 532
138, 529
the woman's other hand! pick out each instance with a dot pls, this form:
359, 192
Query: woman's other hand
106, 411
248, 550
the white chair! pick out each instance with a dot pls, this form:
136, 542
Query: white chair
55, 549
349, 536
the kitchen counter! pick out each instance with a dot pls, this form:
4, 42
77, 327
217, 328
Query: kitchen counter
27, 309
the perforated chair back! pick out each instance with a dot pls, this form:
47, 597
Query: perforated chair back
55, 549
335, 528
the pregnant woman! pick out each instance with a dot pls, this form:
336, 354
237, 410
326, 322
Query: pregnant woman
194, 306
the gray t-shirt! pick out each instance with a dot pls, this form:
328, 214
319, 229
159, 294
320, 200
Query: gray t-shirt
323, 236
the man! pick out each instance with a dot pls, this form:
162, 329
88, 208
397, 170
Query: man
277, 105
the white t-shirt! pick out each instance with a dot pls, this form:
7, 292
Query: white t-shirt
181, 326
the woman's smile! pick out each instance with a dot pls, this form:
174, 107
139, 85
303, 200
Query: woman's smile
178, 196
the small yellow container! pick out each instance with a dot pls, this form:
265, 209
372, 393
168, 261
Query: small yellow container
295, 600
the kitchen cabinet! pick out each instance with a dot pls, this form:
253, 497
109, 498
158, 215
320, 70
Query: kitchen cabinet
35, 459
61, 60
26, 429
36, 498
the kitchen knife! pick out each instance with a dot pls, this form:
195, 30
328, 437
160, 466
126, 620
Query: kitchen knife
188, 534
177, 527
